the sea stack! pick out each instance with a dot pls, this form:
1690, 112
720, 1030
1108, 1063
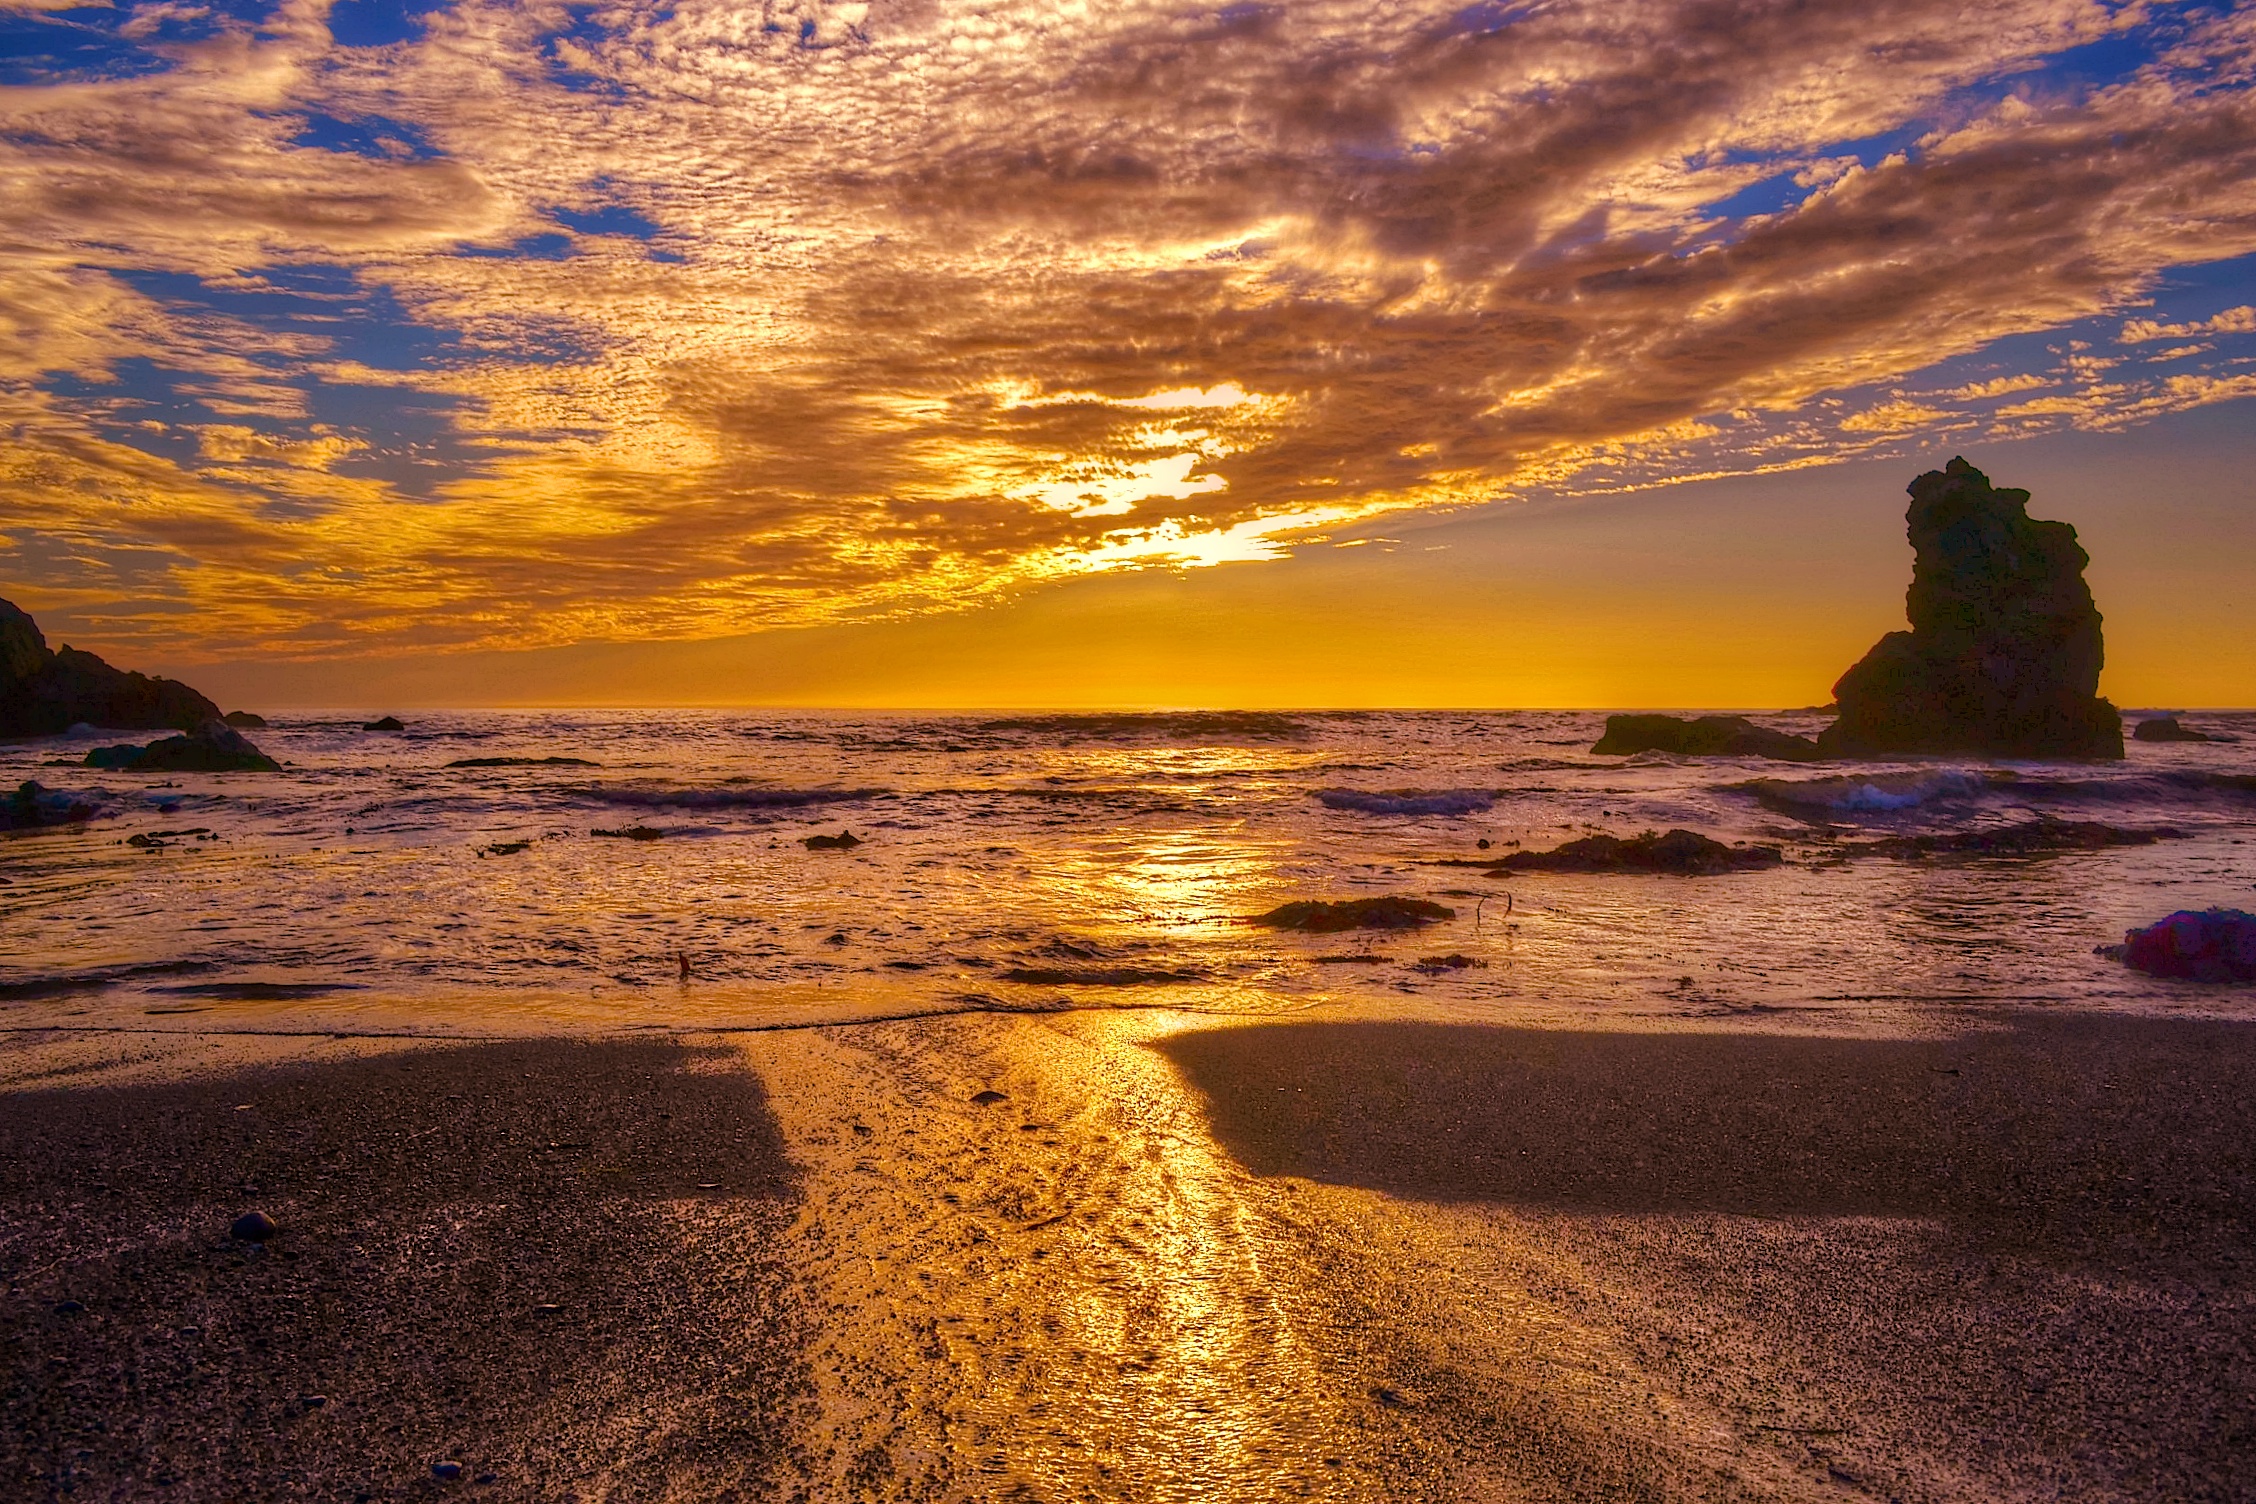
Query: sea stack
2004, 651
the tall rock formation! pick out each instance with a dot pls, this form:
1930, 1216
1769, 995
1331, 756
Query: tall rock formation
43, 692
2004, 651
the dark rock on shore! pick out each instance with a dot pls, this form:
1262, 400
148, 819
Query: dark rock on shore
385, 723
2031, 837
2165, 728
33, 807
2216, 945
45, 693
1682, 853
2004, 651
214, 747
1389, 913
1706, 736
845, 840
243, 720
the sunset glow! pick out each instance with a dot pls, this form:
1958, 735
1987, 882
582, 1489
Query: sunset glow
332, 332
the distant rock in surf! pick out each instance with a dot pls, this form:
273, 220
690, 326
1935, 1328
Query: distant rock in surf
2215, 945
1408, 801
45, 693
523, 762
1680, 853
385, 723
2027, 838
845, 840
2165, 728
33, 807
1705, 736
243, 720
1389, 913
2004, 651
213, 747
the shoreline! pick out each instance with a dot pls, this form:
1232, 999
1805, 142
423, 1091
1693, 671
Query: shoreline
1180, 1255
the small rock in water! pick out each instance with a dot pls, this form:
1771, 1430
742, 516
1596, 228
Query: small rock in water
2215, 945
1684, 853
1389, 913
2165, 728
845, 840
254, 1227
385, 723
447, 1470
989, 1097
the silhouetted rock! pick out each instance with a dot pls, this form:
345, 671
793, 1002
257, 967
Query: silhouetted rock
2004, 651
45, 693
2217, 945
243, 720
32, 807
631, 833
254, 1227
1707, 736
385, 723
213, 747
1389, 913
845, 840
2028, 838
1682, 853
2165, 728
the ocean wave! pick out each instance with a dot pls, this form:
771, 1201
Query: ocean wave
1408, 801
726, 798
1866, 794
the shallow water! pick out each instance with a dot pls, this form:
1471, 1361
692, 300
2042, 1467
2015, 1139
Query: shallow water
372, 885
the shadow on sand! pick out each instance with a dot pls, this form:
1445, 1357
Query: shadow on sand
2092, 1134
512, 1256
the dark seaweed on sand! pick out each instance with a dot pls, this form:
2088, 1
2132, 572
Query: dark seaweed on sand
1683, 853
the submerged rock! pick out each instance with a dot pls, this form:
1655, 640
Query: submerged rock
33, 807
214, 747
1389, 913
2165, 728
2030, 837
1683, 853
2215, 945
1706, 736
45, 693
2004, 651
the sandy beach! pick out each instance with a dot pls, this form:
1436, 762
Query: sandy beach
1169, 1260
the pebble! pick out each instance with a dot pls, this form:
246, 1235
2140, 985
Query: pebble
68, 1308
548, 1308
447, 1470
314, 1401
254, 1227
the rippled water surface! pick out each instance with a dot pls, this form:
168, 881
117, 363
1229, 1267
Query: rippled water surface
1039, 863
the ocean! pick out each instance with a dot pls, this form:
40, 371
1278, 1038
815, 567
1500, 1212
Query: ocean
454, 879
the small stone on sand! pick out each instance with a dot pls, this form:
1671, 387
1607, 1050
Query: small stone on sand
254, 1227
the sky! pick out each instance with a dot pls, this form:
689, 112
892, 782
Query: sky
928, 354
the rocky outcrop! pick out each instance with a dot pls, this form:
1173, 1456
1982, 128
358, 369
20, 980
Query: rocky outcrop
213, 747
243, 720
1707, 736
1681, 853
385, 723
45, 693
2004, 651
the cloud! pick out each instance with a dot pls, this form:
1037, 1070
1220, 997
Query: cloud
700, 317
2232, 321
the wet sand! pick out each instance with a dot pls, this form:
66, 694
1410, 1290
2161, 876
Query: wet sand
556, 1264
1174, 1259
